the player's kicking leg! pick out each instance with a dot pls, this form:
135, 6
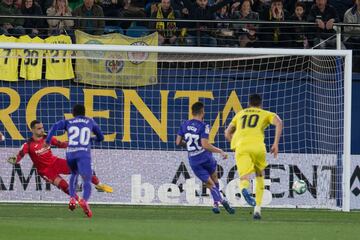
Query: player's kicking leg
259, 194
216, 205
215, 193
214, 178
212, 183
63, 168
52, 176
244, 186
84, 167
72, 166
245, 167
64, 186
72, 190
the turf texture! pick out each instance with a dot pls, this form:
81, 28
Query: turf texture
29, 221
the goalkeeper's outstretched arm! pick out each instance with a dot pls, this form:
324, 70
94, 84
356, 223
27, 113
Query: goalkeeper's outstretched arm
23, 151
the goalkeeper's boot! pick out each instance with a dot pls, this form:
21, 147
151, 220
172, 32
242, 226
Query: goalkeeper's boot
85, 206
227, 207
72, 204
248, 198
216, 208
101, 187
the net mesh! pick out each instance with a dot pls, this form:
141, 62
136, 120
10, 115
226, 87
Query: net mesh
139, 101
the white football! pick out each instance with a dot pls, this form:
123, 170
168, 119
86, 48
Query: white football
299, 187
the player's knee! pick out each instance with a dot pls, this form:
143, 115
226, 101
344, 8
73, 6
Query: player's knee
214, 176
57, 181
210, 183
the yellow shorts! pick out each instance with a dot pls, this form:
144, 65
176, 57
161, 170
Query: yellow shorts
250, 158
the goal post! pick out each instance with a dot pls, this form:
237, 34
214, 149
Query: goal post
309, 89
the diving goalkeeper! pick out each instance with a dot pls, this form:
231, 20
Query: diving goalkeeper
48, 166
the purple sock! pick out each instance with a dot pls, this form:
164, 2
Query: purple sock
217, 185
215, 193
87, 187
72, 185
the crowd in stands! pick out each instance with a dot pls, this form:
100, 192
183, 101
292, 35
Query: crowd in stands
323, 13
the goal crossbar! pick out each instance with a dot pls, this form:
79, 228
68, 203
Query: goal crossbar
169, 49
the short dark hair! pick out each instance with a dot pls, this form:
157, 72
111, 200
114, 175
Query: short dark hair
33, 123
197, 108
78, 110
242, 2
273, 1
300, 4
255, 100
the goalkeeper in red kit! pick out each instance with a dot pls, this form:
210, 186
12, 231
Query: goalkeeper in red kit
49, 166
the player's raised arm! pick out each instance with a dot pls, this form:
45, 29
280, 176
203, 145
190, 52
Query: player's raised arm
229, 132
60, 125
277, 122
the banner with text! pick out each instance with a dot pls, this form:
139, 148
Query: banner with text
115, 68
165, 177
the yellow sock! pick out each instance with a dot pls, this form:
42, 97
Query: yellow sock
259, 190
244, 184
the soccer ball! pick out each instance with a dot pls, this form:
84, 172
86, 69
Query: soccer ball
299, 187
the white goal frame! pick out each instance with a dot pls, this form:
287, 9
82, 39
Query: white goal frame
347, 54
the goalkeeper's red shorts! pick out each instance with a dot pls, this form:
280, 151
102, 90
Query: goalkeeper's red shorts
50, 173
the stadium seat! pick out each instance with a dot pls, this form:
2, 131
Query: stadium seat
137, 31
113, 29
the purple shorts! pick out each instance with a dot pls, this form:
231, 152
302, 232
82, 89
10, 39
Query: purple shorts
204, 169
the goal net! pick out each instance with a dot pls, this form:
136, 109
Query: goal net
139, 95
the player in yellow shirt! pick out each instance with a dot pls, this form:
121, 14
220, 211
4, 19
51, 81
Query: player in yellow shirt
58, 62
246, 134
31, 60
8, 61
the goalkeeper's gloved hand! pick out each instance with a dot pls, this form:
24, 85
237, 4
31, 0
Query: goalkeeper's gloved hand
12, 160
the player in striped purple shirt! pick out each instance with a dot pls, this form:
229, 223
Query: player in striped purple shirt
78, 154
194, 135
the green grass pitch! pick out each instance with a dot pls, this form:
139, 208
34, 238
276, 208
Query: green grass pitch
29, 221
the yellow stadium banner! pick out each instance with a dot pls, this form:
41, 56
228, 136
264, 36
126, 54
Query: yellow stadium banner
121, 69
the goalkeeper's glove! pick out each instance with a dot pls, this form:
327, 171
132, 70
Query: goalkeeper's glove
12, 160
